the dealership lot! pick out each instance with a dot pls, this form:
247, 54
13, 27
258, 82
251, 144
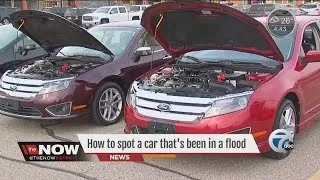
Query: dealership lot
301, 164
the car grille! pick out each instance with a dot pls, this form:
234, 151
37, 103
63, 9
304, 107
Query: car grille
178, 111
23, 111
184, 109
21, 88
87, 18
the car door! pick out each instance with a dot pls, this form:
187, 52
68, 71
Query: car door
114, 15
157, 57
310, 74
123, 13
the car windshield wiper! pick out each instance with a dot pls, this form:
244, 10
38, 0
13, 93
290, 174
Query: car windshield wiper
194, 59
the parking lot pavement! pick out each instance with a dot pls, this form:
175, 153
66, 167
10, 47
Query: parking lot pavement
301, 164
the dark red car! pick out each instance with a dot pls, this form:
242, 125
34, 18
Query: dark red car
230, 75
87, 72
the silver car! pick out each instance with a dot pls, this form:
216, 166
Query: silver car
311, 8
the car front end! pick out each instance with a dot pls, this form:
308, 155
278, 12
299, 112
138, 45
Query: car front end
216, 84
39, 99
90, 20
55, 86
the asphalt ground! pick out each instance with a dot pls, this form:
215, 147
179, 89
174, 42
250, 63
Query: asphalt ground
303, 162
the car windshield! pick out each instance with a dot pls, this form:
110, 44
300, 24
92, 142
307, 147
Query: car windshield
8, 35
261, 8
102, 10
71, 12
309, 6
116, 39
134, 9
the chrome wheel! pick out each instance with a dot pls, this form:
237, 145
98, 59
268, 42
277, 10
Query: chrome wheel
288, 120
6, 21
110, 104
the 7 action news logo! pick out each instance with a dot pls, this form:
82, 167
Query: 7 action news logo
51, 151
281, 141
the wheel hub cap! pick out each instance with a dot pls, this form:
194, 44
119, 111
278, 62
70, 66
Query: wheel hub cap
110, 104
288, 120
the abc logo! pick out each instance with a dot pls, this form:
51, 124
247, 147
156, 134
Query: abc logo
281, 141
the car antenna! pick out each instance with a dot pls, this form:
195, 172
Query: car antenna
155, 36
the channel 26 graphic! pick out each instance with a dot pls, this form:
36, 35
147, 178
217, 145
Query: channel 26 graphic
281, 141
52, 151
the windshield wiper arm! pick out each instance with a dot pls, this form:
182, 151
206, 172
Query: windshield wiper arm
193, 59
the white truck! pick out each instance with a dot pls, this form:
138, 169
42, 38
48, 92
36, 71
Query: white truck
105, 14
135, 11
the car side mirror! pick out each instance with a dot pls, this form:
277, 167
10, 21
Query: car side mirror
141, 51
312, 56
24, 50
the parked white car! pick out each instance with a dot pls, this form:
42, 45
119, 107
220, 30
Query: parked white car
135, 11
311, 8
105, 14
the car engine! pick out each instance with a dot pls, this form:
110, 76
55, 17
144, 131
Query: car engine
201, 81
52, 68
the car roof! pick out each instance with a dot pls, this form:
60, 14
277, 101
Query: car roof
134, 23
299, 19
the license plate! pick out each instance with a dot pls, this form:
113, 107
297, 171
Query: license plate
10, 104
160, 128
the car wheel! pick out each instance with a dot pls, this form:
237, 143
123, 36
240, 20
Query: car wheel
286, 118
104, 21
5, 21
108, 104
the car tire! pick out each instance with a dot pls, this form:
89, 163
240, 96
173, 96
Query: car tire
135, 18
104, 21
5, 21
105, 111
285, 106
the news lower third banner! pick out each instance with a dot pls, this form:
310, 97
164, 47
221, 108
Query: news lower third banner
137, 147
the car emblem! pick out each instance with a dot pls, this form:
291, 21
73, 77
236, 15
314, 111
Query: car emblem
13, 87
164, 107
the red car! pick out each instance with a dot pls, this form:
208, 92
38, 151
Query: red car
229, 76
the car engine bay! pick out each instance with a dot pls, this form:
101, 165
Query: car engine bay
201, 82
53, 68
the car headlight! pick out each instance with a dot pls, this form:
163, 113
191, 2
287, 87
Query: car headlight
95, 17
228, 105
131, 97
54, 86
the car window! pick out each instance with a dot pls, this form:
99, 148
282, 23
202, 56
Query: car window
114, 11
102, 10
147, 40
309, 6
310, 39
8, 35
116, 39
122, 9
144, 7
134, 9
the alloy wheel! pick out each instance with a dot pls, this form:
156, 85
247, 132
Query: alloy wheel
288, 120
110, 104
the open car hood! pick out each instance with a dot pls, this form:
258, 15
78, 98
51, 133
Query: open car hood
52, 32
181, 27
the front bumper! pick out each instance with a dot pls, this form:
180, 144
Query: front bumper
37, 107
88, 24
236, 122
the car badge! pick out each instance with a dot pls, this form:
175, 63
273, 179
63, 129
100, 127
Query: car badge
13, 87
164, 107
